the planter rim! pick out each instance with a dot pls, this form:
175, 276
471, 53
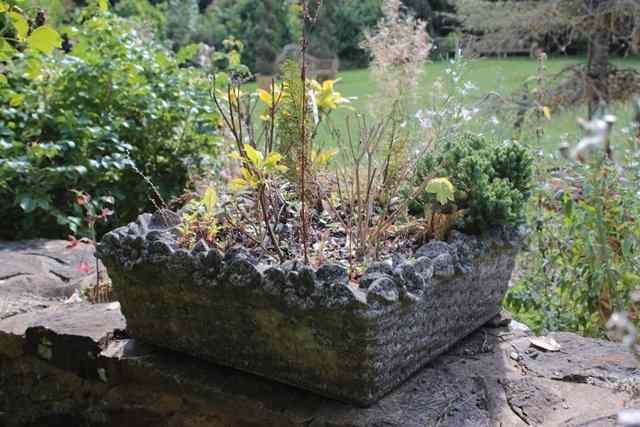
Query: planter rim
152, 239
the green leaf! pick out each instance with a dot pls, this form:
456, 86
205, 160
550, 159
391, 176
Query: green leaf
6, 50
3, 7
103, 5
44, 39
26, 203
187, 53
442, 188
21, 24
33, 69
80, 49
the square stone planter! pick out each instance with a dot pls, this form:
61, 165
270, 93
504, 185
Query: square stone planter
307, 327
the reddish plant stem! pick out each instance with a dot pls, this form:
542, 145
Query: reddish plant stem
303, 142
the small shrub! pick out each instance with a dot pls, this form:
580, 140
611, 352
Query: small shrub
492, 180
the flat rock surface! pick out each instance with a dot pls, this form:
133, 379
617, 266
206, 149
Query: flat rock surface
37, 274
73, 364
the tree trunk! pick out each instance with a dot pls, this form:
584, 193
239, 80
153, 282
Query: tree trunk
598, 59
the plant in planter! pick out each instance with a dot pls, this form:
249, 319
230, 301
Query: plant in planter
319, 275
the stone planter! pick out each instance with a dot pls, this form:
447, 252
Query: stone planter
298, 325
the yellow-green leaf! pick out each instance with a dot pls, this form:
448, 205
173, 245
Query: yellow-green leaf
16, 100
265, 97
547, 112
323, 157
21, 24
103, 5
235, 155
234, 57
3, 80
255, 157
44, 39
238, 184
210, 199
442, 188
3, 7
272, 160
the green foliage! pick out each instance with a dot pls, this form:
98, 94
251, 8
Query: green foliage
352, 17
267, 37
182, 18
491, 180
200, 220
143, 11
83, 120
290, 119
322, 37
585, 249
261, 25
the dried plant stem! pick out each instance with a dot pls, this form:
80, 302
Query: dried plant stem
267, 223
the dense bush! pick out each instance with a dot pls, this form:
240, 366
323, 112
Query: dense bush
492, 180
83, 120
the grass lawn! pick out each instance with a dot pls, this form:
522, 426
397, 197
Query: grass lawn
490, 74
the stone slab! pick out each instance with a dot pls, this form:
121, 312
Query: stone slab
37, 274
494, 377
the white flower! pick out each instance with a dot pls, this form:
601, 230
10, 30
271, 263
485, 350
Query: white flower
470, 86
424, 120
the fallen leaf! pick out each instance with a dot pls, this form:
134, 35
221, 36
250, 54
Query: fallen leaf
545, 343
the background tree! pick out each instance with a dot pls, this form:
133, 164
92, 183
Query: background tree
559, 24
267, 40
323, 40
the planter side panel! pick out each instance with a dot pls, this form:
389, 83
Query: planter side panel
320, 349
410, 336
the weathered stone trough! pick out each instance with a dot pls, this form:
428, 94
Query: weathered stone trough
307, 327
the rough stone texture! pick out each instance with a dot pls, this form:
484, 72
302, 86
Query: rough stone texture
37, 274
300, 326
492, 378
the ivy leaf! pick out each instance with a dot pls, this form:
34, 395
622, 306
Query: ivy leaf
21, 24
44, 39
442, 188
